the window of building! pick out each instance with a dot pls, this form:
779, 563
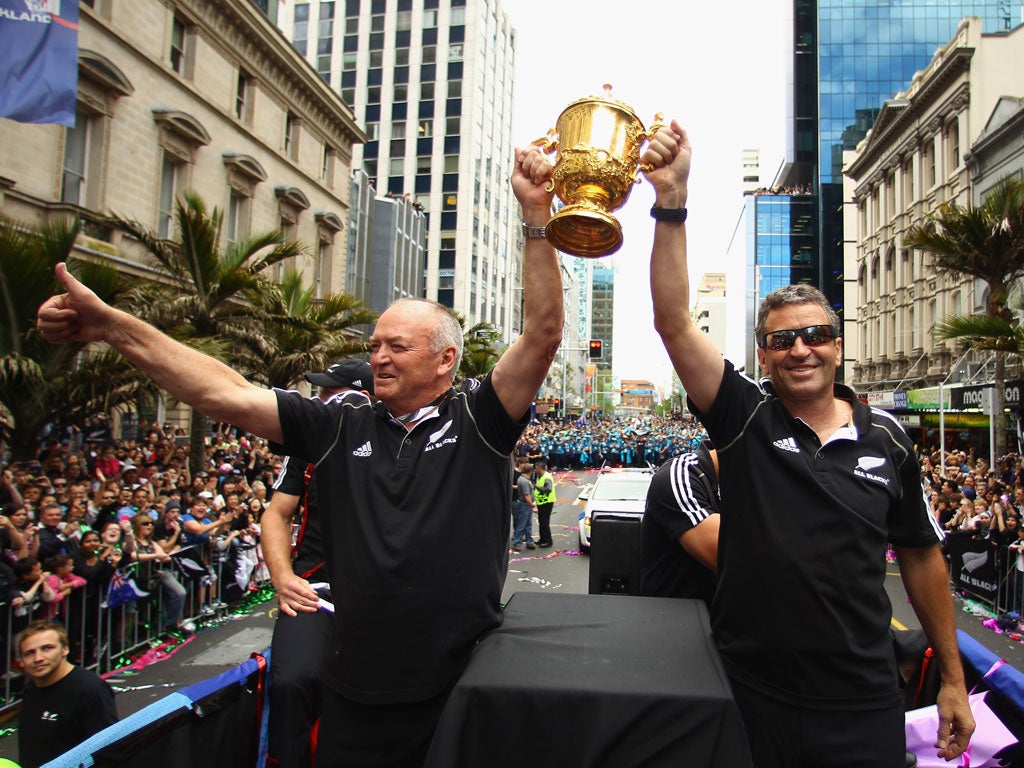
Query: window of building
908, 182
348, 61
327, 166
376, 62
396, 166
890, 196
458, 17
291, 136
953, 133
180, 137
181, 52
455, 52
323, 260
454, 89
429, 19
452, 126
929, 162
403, 20
402, 57
425, 128
451, 164
429, 54
426, 91
79, 148
172, 181
397, 147
243, 97
373, 94
238, 219
377, 23
401, 92
244, 173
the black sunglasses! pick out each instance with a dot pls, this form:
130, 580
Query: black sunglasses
812, 335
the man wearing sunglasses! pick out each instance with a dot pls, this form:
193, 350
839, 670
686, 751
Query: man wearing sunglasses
814, 484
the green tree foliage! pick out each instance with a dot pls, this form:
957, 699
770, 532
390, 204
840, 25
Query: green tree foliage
208, 297
480, 349
985, 242
43, 384
303, 334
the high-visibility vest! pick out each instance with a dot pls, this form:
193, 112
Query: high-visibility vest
544, 497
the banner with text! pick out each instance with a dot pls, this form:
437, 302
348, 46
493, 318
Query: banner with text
39, 60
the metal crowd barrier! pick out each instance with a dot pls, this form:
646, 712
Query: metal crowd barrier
103, 638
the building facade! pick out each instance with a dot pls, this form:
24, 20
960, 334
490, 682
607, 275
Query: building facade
946, 139
186, 95
431, 80
849, 56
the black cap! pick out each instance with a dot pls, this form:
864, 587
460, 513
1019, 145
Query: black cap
345, 373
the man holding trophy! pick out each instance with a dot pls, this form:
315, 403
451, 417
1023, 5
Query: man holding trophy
813, 485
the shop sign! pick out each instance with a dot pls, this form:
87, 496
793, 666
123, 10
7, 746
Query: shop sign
963, 398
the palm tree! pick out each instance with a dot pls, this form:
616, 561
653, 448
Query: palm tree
210, 296
43, 384
305, 334
480, 350
986, 243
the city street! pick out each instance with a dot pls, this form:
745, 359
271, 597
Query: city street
230, 641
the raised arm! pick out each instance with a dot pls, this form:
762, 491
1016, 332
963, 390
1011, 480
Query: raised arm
694, 356
521, 370
189, 376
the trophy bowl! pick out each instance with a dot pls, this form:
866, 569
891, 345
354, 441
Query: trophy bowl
597, 141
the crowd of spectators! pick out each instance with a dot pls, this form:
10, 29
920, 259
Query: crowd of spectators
591, 444
972, 500
89, 508
799, 189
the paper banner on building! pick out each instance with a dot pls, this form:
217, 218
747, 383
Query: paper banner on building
39, 60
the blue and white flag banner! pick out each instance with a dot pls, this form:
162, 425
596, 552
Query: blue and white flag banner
39, 60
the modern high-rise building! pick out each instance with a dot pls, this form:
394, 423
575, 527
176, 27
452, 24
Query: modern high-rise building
602, 319
849, 56
431, 81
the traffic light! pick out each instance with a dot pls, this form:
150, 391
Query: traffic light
596, 348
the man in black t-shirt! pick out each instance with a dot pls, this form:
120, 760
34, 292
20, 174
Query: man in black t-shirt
679, 532
63, 704
301, 642
415, 489
815, 485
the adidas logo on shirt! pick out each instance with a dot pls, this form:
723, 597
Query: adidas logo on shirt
787, 444
364, 451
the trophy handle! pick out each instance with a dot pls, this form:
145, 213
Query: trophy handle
547, 145
656, 126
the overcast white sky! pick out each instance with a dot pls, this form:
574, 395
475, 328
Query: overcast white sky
718, 68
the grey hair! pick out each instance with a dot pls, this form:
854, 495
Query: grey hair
447, 331
800, 293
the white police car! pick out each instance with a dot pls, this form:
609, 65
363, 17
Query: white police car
620, 492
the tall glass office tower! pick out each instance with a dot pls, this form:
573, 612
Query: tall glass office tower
849, 56
431, 81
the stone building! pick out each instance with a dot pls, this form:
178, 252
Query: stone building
914, 159
188, 94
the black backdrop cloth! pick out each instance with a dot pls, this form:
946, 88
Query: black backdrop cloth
593, 680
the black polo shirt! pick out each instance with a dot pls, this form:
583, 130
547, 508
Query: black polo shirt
683, 493
310, 556
417, 525
801, 611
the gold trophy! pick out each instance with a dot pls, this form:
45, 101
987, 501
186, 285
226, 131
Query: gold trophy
597, 141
